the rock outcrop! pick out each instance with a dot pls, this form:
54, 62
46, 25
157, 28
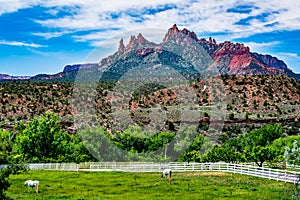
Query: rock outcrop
121, 47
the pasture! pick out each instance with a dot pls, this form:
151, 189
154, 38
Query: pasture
124, 185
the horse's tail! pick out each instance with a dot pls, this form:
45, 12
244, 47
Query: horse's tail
37, 187
170, 174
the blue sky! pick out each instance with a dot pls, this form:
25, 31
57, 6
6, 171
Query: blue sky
39, 36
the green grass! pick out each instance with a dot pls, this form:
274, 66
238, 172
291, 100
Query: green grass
119, 185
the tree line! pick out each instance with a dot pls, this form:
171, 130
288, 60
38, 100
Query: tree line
43, 140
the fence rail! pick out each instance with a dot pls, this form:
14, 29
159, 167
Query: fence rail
245, 169
55, 166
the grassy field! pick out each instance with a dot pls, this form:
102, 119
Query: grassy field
119, 185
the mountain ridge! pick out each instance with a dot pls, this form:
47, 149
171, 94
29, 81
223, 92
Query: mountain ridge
9, 77
228, 57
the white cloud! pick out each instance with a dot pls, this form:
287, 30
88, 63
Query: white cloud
288, 54
9, 6
203, 17
96, 36
261, 47
20, 44
49, 35
214, 17
111, 38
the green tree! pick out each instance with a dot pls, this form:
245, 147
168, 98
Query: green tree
5, 146
260, 154
135, 139
190, 156
257, 144
264, 135
101, 146
75, 151
223, 153
158, 141
281, 144
184, 138
43, 140
194, 151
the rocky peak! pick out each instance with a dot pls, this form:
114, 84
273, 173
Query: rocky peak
132, 43
189, 33
141, 40
121, 47
171, 32
174, 29
212, 41
136, 42
174, 32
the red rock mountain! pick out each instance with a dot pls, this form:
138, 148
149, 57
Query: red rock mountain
232, 58
227, 57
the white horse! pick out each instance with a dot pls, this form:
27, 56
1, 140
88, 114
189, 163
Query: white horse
32, 184
166, 172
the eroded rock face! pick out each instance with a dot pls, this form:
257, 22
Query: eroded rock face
270, 60
229, 48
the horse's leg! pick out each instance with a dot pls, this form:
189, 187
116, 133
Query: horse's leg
37, 188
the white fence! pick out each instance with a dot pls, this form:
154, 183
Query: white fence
275, 174
281, 165
55, 166
245, 169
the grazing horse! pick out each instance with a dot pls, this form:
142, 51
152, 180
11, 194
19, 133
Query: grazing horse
32, 184
166, 172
